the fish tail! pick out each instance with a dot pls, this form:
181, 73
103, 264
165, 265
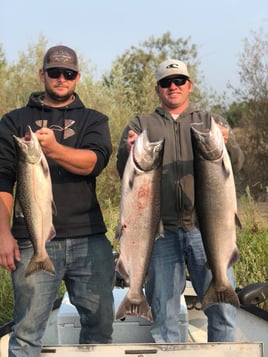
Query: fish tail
225, 294
36, 265
131, 307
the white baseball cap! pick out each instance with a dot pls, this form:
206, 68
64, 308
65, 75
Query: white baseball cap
171, 67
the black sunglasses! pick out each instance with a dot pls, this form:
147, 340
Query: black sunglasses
178, 81
68, 74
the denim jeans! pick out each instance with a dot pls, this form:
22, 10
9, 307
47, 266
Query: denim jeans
86, 265
166, 281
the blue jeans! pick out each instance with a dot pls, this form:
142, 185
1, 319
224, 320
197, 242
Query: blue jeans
166, 281
86, 265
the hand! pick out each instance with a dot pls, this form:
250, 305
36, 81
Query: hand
224, 131
132, 136
47, 140
9, 252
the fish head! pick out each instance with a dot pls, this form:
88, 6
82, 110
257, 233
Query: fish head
209, 142
28, 147
147, 155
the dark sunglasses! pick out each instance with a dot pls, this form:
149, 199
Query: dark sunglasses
178, 81
68, 74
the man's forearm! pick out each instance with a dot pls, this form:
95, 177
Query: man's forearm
77, 161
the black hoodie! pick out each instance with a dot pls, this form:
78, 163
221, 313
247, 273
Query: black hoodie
78, 210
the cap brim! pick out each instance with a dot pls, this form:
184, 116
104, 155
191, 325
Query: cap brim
59, 65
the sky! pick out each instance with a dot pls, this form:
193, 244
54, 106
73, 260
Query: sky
103, 30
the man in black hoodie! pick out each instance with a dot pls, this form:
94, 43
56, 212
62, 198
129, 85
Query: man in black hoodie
76, 142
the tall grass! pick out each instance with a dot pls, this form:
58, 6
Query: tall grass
6, 297
252, 242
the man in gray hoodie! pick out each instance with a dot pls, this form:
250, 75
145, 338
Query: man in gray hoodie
182, 243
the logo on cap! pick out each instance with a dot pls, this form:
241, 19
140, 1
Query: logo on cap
62, 57
172, 65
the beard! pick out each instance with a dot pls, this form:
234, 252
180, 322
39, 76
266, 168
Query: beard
59, 98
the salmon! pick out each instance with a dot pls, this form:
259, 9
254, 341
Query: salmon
34, 200
216, 208
139, 221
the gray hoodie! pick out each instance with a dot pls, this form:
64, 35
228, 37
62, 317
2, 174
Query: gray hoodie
177, 201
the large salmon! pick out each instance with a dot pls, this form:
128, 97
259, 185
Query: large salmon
139, 221
216, 207
34, 199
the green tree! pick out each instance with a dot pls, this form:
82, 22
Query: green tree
135, 70
237, 114
3, 77
253, 68
22, 78
252, 95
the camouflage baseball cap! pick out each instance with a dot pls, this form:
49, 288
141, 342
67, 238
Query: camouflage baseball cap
60, 57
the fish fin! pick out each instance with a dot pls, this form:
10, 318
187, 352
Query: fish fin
44, 165
120, 268
234, 257
131, 179
118, 232
134, 307
207, 265
226, 166
36, 265
237, 221
52, 233
161, 230
146, 278
226, 295
18, 209
54, 208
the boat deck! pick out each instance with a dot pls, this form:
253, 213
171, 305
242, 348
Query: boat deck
132, 336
